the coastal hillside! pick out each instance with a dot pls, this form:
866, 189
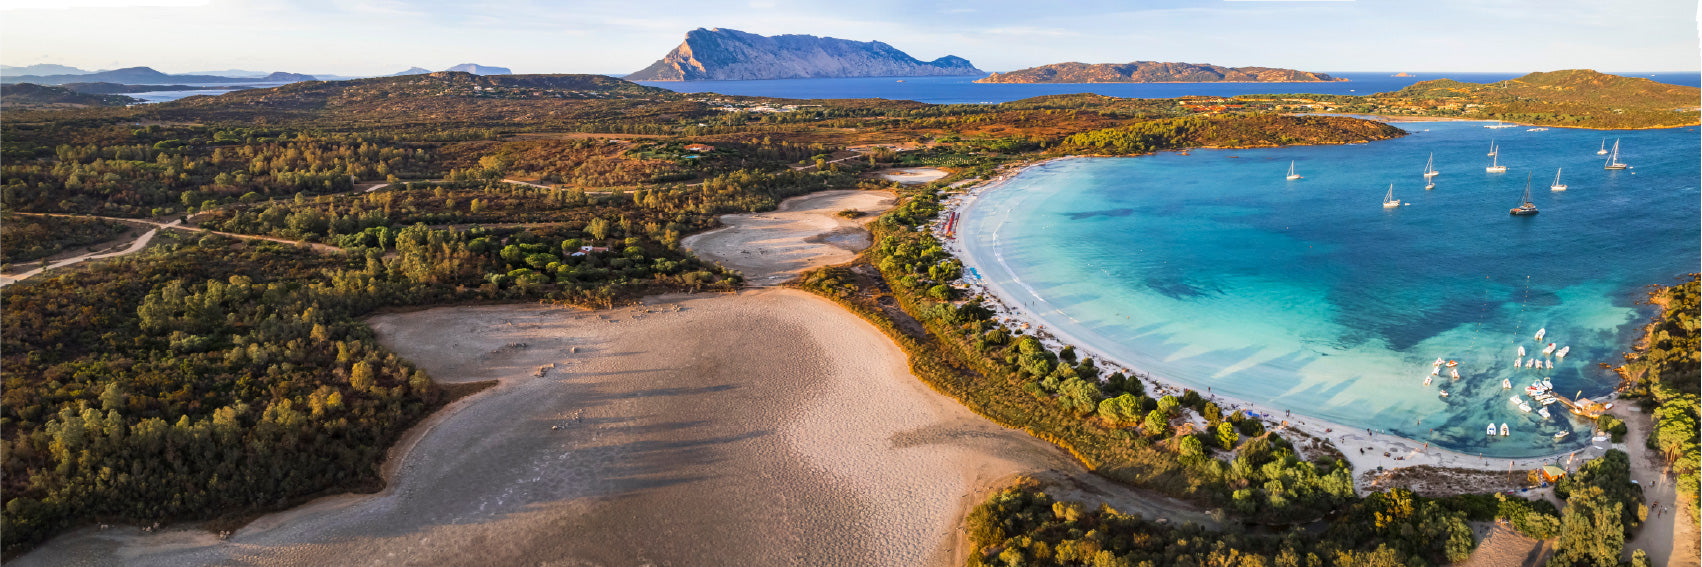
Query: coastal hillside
716, 54
1575, 97
1229, 131
1153, 72
29, 95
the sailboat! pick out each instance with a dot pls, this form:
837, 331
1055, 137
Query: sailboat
1526, 207
1429, 183
1613, 159
1557, 186
1291, 174
1430, 166
1389, 200
1603, 151
1492, 150
1495, 163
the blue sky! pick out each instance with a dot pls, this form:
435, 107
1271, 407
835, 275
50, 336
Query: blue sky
597, 36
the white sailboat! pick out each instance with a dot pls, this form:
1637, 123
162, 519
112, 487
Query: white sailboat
1613, 159
1492, 150
1603, 151
1291, 175
1429, 183
1557, 186
1495, 164
1389, 200
1430, 166
1526, 207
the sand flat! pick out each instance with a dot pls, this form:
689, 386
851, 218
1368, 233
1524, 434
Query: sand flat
768, 427
803, 233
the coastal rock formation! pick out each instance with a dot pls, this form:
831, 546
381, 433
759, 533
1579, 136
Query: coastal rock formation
716, 54
1154, 72
478, 69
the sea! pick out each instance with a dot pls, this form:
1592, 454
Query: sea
1211, 269
963, 90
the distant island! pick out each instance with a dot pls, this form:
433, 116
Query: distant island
148, 75
1579, 98
1402, 74
717, 54
1154, 72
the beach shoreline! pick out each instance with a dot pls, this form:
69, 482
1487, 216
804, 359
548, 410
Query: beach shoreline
1366, 450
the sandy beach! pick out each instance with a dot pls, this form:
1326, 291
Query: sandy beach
912, 175
768, 427
1366, 450
803, 233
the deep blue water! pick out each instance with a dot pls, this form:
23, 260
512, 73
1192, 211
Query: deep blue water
963, 90
1212, 270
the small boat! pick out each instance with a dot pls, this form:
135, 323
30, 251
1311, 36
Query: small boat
1563, 351
1550, 349
1438, 362
1430, 167
1541, 332
1515, 399
1435, 371
1613, 159
1452, 364
1444, 393
1455, 374
1543, 412
1291, 175
1536, 129
1495, 163
1506, 384
1524, 407
1521, 351
1427, 379
1603, 151
1530, 363
1389, 200
1557, 186
1548, 364
1518, 362
1499, 125
1491, 429
1546, 385
1561, 435
1526, 207
1505, 430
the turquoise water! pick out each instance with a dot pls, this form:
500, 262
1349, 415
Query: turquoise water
1210, 269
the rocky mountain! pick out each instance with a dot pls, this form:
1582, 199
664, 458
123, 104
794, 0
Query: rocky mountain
716, 54
147, 75
1153, 72
478, 69
412, 71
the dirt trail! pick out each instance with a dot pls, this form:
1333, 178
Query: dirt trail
1667, 535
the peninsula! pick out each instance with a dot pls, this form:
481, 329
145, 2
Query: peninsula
1154, 72
718, 54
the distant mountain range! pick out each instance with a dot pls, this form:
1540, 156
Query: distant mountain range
1153, 72
716, 54
148, 76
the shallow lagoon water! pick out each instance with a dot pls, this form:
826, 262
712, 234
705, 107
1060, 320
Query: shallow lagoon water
1212, 270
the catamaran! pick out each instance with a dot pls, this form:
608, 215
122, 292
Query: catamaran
1557, 186
1613, 159
1603, 151
1389, 200
1526, 207
1430, 166
1291, 174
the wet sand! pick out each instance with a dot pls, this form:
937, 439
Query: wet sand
803, 233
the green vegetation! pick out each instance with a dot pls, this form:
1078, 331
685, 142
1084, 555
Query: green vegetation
24, 237
1664, 372
31, 95
1603, 506
1022, 525
1234, 130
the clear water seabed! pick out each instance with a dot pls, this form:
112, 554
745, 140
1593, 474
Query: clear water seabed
1211, 270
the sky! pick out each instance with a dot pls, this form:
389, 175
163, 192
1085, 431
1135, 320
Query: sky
368, 37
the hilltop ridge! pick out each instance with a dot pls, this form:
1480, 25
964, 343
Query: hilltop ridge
1154, 72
